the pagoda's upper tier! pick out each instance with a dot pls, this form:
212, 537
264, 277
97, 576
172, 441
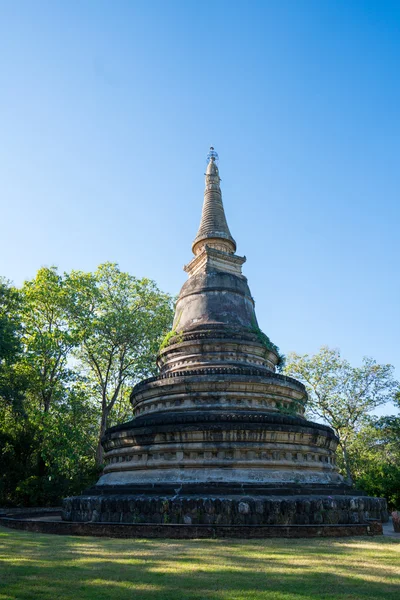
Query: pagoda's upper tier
215, 323
213, 230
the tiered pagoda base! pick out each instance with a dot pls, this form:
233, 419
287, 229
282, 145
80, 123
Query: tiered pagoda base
223, 469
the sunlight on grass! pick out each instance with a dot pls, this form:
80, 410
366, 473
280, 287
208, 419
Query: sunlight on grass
126, 584
45, 567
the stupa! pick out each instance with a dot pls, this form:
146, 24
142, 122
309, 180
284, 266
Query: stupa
219, 436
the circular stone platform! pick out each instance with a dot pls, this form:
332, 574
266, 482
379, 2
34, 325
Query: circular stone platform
51, 522
223, 507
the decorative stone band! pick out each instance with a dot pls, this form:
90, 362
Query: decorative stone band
218, 240
250, 372
219, 346
216, 353
281, 421
216, 332
238, 448
214, 389
214, 255
215, 392
245, 510
215, 289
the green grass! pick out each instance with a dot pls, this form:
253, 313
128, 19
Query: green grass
50, 567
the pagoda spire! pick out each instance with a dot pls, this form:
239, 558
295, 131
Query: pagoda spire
213, 231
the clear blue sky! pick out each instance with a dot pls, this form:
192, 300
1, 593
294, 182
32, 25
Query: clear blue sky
107, 110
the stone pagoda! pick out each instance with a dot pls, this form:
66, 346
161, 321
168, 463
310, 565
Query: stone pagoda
219, 436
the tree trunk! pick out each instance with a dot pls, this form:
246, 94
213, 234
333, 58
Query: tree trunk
41, 465
349, 477
103, 427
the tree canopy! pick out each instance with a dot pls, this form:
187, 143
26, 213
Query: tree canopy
119, 321
71, 347
341, 395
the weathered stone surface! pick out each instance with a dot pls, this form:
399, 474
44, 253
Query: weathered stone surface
245, 510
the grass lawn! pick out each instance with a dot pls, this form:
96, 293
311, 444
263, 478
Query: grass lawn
50, 567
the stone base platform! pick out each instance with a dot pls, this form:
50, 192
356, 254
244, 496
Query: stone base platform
51, 522
252, 507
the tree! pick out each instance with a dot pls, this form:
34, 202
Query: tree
43, 368
12, 381
10, 344
342, 395
120, 321
71, 346
375, 457
45, 456
46, 335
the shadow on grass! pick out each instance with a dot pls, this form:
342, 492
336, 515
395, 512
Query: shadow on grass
45, 567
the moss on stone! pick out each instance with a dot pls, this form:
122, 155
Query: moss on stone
268, 345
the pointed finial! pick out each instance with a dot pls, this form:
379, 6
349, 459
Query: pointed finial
212, 155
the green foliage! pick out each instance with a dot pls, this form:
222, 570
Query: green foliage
47, 455
375, 456
71, 347
291, 409
47, 338
268, 345
119, 321
172, 337
10, 324
341, 395
12, 380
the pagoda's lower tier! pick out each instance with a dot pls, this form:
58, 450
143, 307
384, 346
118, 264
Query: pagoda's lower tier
218, 448
219, 425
